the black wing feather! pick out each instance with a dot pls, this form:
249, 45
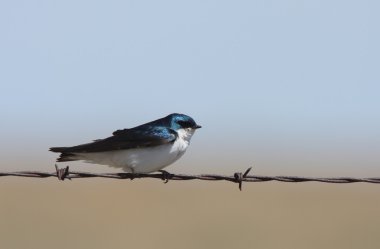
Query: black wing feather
125, 139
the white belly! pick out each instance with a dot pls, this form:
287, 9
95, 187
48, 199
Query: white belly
141, 160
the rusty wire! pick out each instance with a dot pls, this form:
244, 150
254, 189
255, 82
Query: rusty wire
238, 177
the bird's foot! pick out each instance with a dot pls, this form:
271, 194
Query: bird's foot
166, 176
133, 174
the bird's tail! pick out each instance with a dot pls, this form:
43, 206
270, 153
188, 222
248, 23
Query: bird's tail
58, 149
65, 156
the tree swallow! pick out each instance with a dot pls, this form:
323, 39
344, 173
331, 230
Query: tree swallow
142, 149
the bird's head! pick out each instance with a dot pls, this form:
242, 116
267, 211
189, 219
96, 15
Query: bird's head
182, 121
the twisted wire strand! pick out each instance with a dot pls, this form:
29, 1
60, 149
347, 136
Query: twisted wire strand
239, 177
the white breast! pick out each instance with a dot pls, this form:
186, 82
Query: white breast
143, 160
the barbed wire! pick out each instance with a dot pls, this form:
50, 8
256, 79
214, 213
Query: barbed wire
238, 177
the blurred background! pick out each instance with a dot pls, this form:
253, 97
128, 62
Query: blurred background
288, 87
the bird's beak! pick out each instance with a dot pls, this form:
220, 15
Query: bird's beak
197, 127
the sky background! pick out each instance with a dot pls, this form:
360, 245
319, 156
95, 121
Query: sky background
288, 87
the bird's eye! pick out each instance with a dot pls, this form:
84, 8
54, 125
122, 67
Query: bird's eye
185, 124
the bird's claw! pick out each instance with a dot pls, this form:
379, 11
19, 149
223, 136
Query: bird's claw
166, 176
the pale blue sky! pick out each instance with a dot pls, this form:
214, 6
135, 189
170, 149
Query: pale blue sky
289, 86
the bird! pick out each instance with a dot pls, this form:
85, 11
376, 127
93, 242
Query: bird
143, 149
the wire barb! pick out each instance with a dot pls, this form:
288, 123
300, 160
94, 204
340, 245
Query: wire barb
62, 174
239, 177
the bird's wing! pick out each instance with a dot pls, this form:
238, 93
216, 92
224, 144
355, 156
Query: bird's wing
128, 139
